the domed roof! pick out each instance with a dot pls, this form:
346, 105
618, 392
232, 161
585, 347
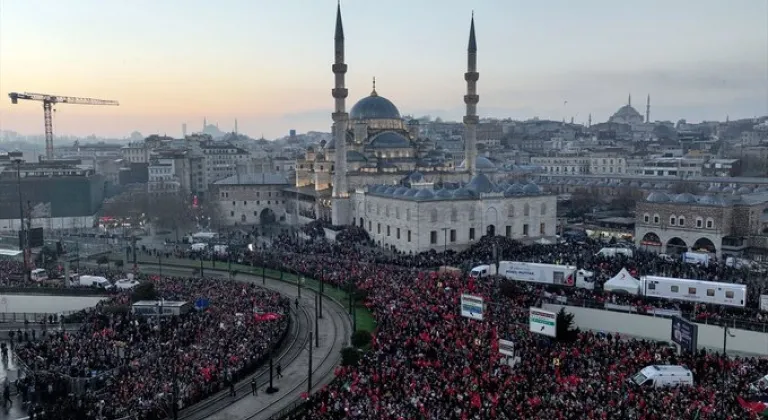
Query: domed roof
660, 185
389, 191
374, 107
481, 163
658, 197
481, 184
400, 191
424, 194
761, 189
515, 189
310, 149
355, 156
627, 111
532, 189
709, 200
411, 192
503, 184
444, 193
389, 140
646, 185
634, 184
685, 198
463, 193
713, 188
745, 190
728, 190
415, 176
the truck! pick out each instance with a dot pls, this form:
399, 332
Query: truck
659, 376
94, 281
554, 274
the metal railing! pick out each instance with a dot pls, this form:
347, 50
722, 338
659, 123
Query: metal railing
36, 317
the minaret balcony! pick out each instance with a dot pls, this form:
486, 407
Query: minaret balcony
471, 119
339, 68
339, 93
471, 99
471, 76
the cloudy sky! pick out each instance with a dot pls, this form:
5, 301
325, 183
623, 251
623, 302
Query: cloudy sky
268, 63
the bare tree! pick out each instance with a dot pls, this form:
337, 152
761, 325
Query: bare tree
212, 212
129, 204
684, 187
172, 210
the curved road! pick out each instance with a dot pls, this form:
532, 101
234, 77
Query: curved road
335, 330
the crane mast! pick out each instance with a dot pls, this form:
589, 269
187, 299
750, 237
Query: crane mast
48, 102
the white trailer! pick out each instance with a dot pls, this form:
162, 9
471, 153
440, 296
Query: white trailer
728, 294
614, 251
700, 258
558, 275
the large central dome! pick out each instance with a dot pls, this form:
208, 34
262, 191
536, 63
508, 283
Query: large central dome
374, 107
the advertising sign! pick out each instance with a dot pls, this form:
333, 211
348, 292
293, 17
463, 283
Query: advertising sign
685, 334
543, 322
764, 303
507, 347
472, 307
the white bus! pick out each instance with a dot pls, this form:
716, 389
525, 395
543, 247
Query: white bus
728, 294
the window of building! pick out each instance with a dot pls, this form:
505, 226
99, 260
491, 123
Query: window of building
710, 223
674, 289
511, 211
699, 222
397, 212
232, 214
729, 294
378, 228
398, 233
369, 226
542, 229
453, 235
433, 216
471, 213
388, 231
255, 213
691, 290
526, 210
408, 214
386, 211
233, 204
651, 286
672, 220
433, 237
543, 209
409, 236
509, 231
646, 218
525, 229
454, 215
656, 219
681, 221
471, 234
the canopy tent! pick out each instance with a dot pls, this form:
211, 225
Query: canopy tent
623, 283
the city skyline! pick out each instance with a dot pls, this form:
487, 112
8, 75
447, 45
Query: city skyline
269, 66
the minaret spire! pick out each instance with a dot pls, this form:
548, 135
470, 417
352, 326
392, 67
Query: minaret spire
471, 99
629, 100
373, 92
339, 211
648, 109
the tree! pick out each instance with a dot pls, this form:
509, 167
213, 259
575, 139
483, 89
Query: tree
624, 202
361, 339
211, 211
681, 187
350, 356
46, 257
144, 291
566, 330
103, 259
128, 204
172, 211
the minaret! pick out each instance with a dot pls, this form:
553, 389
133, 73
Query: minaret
235, 125
470, 99
340, 205
648, 109
205, 123
629, 100
589, 121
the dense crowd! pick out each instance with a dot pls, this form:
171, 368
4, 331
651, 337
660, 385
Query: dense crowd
205, 349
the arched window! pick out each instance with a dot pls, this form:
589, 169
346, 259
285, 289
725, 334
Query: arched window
656, 219
454, 215
681, 221
646, 217
408, 214
511, 211
710, 223
397, 212
699, 222
526, 210
471, 213
672, 220
543, 209
433, 216
386, 211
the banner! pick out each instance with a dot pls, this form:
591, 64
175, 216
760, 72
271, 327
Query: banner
764, 303
543, 322
685, 334
472, 307
507, 347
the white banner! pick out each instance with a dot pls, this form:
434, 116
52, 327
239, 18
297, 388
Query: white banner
543, 322
507, 347
472, 307
764, 303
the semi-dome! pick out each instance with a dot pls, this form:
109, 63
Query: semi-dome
389, 140
400, 191
658, 197
389, 191
444, 194
745, 190
713, 189
355, 156
727, 190
424, 194
709, 200
531, 189
481, 163
515, 189
685, 198
646, 185
374, 107
481, 184
415, 176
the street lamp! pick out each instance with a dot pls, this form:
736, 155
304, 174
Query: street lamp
445, 234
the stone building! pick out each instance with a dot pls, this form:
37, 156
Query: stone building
720, 224
418, 216
252, 198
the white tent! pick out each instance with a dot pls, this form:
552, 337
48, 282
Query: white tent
623, 283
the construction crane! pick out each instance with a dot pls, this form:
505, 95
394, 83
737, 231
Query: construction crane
48, 102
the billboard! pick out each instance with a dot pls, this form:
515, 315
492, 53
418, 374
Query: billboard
507, 347
543, 322
472, 307
685, 334
764, 303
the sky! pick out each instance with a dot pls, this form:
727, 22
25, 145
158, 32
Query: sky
268, 63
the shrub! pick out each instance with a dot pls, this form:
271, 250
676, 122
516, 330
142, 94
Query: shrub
350, 356
361, 339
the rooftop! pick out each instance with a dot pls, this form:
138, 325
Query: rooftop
263, 178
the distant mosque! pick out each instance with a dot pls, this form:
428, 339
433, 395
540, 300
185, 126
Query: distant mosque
629, 115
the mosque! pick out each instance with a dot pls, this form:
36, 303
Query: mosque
378, 173
629, 115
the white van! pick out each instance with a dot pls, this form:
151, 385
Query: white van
484, 270
38, 274
198, 247
95, 281
658, 376
614, 251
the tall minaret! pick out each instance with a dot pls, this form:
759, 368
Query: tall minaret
470, 99
648, 109
629, 100
235, 125
339, 209
589, 121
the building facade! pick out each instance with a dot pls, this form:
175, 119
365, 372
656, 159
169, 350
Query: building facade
252, 198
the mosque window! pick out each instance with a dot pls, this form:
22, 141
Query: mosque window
433, 216
471, 213
543, 209
526, 210
454, 215
511, 211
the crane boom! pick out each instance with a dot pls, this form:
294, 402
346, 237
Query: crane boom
48, 102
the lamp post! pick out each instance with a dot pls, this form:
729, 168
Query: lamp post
309, 368
445, 235
160, 263
322, 290
318, 298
